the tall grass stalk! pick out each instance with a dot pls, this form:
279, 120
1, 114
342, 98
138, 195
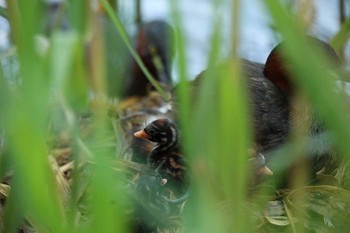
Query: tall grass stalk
126, 40
218, 142
215, 126
25, 127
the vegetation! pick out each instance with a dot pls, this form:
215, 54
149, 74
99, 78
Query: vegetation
65, 157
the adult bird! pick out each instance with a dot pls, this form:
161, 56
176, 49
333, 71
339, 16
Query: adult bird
153, 43
271, 95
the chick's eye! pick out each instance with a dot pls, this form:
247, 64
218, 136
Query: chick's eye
151, 132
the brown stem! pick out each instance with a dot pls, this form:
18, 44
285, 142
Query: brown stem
342, 19
342, 16
138, 17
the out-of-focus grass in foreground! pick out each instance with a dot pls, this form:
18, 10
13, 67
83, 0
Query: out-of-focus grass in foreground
69, 78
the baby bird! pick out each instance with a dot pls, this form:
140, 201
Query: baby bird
166, 157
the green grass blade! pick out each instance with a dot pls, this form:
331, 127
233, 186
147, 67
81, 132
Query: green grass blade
134, 54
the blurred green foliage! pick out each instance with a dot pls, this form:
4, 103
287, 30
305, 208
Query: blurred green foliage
72, 77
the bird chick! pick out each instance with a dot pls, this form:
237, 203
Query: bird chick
166, 157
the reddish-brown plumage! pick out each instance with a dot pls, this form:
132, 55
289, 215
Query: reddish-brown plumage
277, 72
154, 46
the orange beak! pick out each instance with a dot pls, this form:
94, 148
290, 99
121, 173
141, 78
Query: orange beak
141, 134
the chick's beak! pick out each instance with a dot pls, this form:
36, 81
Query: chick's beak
265, 171
141, 134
